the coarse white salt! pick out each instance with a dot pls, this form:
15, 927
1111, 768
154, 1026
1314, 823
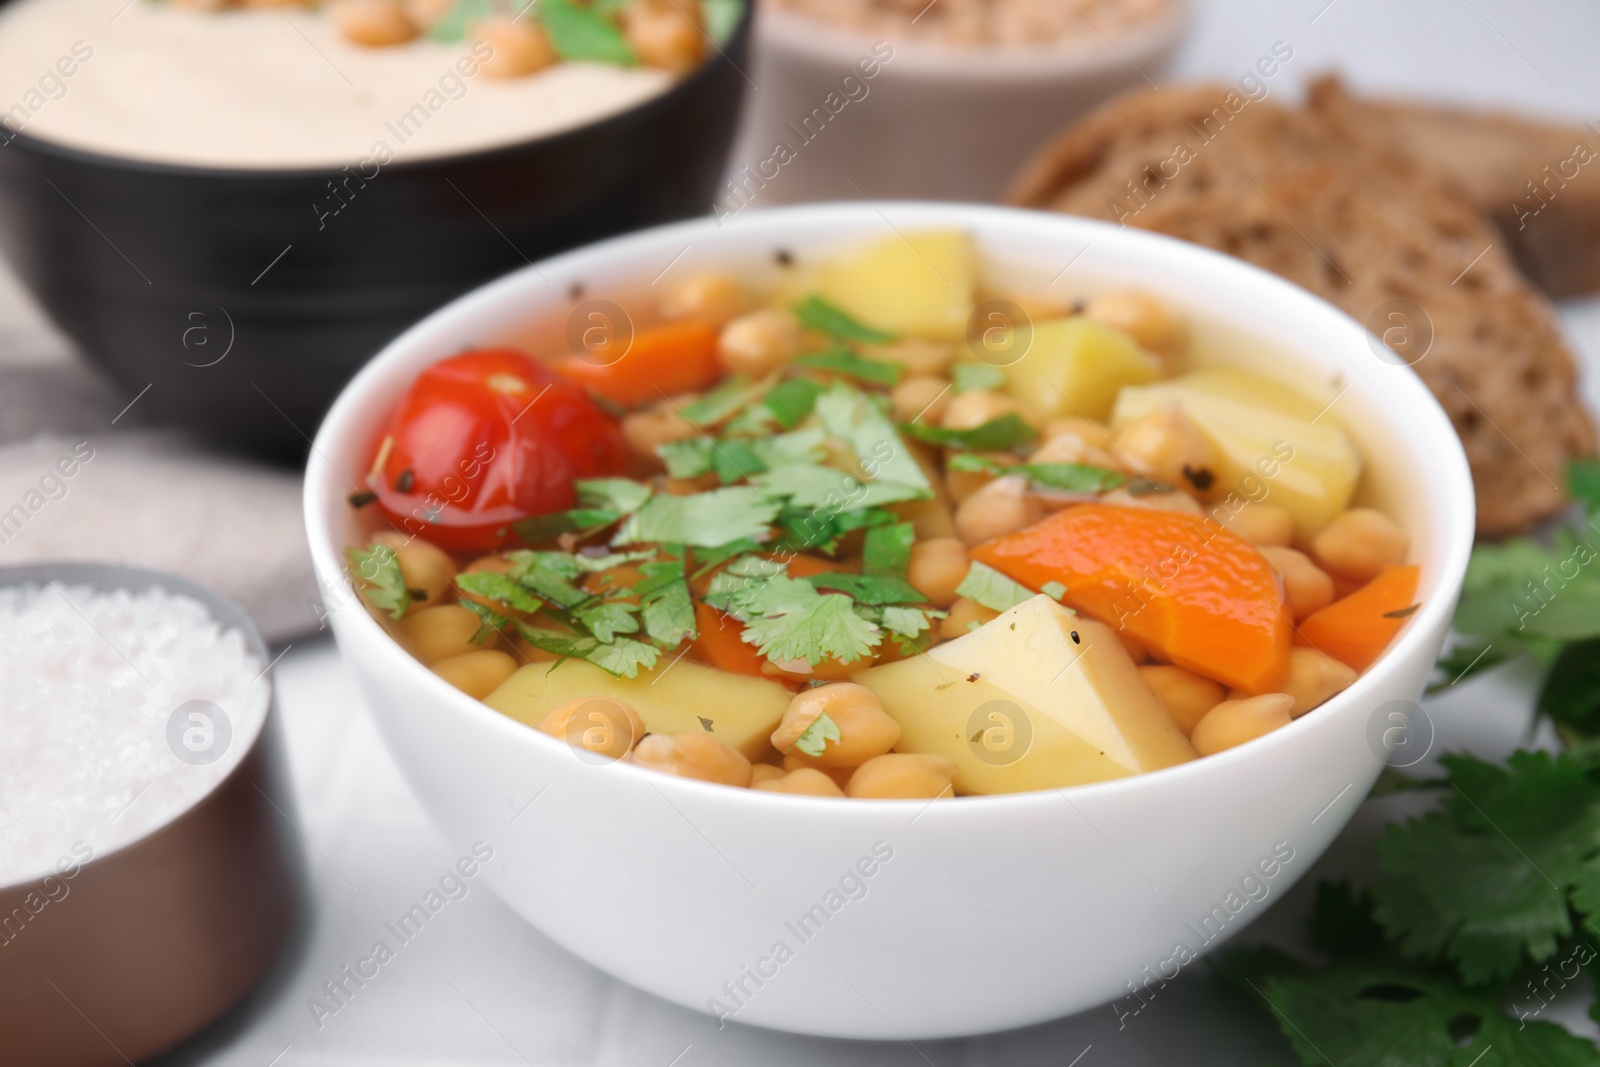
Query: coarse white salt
91, 684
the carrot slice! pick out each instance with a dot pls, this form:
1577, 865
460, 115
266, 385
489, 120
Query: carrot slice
1193, 592
665, 360
1356, 629
721, 642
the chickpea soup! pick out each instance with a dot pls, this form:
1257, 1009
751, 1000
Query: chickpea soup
354, 82
824, 538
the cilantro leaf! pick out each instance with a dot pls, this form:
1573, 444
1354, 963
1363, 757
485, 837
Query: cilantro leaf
579, 33
734, 393
812, 626
1583, 482
709, 559
587, 564
666, 607
492, 621
992, 589
1053, 590
453, 26
1486, 879
817, 735
1521, 595
377, 568
1064, 477
970, 377
843, 361
818, 314
909, 627
622, 495
869, 589
792, 401
854, 417
544, 527
623, 657
549, 574
817, 528
498, 587
735, 460
781, 450
1571, 692
708, 520
997, 435
833, 490
686, 459
608, 619
887, 550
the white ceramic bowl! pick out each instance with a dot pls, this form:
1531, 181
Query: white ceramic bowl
988, 912
920, 119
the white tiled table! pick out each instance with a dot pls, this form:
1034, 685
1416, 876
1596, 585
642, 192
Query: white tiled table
478, 986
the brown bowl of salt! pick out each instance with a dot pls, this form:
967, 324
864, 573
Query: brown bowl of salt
147, 872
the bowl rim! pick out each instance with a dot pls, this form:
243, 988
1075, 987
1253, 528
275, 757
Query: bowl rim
818, 39
476, 157
110, 577
1447, 470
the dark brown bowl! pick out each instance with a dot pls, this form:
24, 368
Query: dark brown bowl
117, 956
245, 306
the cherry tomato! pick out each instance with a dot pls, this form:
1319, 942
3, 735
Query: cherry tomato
485, 439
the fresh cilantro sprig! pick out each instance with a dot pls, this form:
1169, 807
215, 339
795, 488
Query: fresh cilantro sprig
843, 361
818, 314
1004, 434
992, 589
1063, 477
814, 741
377, 569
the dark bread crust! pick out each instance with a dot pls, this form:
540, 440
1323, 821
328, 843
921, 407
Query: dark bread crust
1361, 224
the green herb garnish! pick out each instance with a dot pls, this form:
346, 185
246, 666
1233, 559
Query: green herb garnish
972, 377
499, 587
992, 589
833, 490
887, 550
853, 416
869, 589
788, 619
792, 401
582, 33
492, 622
727, 398
997, 435
708, 520
377, 568
842, 361
665, 604
623, 657
818, 314
1065, 477
817, 735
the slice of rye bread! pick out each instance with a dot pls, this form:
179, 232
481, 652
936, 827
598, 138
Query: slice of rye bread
1289, 191
1538, 182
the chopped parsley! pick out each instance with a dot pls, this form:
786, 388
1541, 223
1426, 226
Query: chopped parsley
1004, 434
818, 314
377, 568
707, 520
1064, 477
843, 361
788, 619
992, 589
814, 741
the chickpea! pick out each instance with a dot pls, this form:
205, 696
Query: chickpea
1233, 722
794, 761
923, 397
903, 776
971, 410
439, 633
759, 342
1070, 447
963, 613
699, 756
1262, 524
1088, 430
962, 484
1360, 543
713, 298
664, 34
426, 568
865, 730
764, 772
1186, 695
998, 508
1141, 316
478, 673
1305, 587
375, 23
518, 46
646, 430
938, 565
604, 727
803, 781
1314, 677
1177, 500
919, 357
1167, 447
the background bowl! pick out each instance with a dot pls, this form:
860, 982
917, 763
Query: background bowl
935, 121
146, 943
899, 918
245, 312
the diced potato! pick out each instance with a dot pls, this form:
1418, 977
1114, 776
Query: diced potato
1019, 704
690, 697
1074, 367
1265, 446
920, 283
